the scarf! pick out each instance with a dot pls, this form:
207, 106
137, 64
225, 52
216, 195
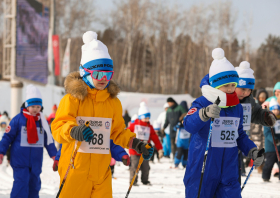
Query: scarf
227, 100
32, 135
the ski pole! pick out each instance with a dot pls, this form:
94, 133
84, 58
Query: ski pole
217, 102
260, 153
71, 164
275, 146
137, 170
276, 150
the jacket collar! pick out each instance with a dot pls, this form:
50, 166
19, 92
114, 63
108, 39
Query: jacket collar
76, 87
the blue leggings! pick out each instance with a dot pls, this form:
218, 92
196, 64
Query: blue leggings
166, 145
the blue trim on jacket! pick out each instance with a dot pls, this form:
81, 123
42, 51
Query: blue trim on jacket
117, 152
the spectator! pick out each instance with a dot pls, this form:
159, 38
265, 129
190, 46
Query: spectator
173, 115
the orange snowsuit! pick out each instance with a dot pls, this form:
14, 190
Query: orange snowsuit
91, 176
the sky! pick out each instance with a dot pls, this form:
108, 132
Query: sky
265, 15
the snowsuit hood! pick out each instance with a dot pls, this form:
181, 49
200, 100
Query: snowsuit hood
261, 90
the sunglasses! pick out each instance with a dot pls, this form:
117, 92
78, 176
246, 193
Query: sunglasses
99, 75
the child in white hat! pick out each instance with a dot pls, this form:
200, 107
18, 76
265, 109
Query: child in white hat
252, 112
28, 133
221, 170
91, 96
145, 132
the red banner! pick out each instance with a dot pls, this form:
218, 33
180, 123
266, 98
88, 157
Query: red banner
55, 42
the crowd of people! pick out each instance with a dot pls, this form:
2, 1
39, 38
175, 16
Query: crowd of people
92, 134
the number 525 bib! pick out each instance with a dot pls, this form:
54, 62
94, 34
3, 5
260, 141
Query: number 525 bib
101, 135
225, 132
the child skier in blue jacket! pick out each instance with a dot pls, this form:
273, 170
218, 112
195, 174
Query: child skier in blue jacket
221, 171
182, 143
28, 133
117, 152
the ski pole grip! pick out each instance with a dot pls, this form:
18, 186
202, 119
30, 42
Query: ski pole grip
87, 123
217, 102
148, 146
261, 152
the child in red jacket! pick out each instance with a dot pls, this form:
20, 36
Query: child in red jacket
145, 132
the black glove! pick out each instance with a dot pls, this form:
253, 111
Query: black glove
269, 118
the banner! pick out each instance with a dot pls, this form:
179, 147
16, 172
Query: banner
55, 41
66, 60
32, 28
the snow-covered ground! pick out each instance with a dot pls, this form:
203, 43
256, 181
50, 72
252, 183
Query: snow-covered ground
166, 182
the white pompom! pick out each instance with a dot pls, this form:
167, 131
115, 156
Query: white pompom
142, 104
218, 53
244, 65
89, 36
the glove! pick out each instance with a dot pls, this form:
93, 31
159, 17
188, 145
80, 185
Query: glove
126, 160
253, 154
82, 133
269, 118
55, 165
277, 142
160, 153
140, 147
162, 133
1, 158
212, 111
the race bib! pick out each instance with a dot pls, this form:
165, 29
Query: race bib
247, 115
142, 132
101, 128
277, 127
225, 132
23, 140
184, 134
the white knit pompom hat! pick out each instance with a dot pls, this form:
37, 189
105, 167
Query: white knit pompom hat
95, 55
156, 126
221, 71
246, 77
33, 96
143, 111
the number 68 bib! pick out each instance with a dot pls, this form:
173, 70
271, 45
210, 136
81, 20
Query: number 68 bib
101, 128
225, 132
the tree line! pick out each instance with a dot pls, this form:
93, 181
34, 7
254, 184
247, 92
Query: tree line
159, 48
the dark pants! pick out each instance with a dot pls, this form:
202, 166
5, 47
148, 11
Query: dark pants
241, 166
173, 146
154, 153
270, 159
112, 169
145, 169
27, 182
8, 153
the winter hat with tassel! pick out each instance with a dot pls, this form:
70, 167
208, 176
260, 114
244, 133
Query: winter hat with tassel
33, 96
143, 111
246, 77
221, 71
95, 56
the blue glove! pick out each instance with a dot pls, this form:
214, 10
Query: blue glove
151, 151
82, 133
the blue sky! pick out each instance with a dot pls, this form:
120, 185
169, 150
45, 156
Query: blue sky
265, 16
